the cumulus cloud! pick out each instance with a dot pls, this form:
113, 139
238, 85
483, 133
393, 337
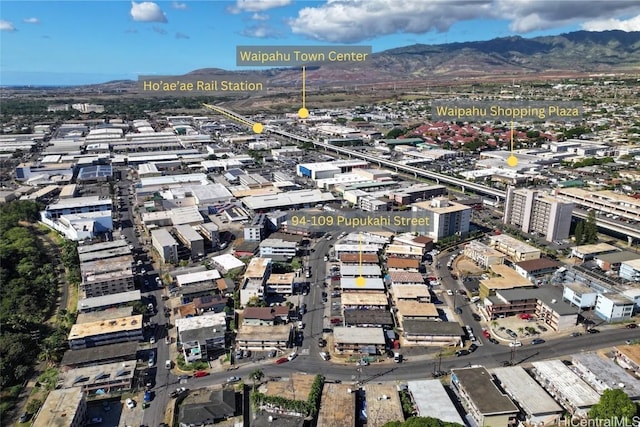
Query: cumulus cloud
261, 31
31, 21
179, 6
350, 21
632, 24
260, 17
182, 36
6, 25
159, 30
256, 5
147, 12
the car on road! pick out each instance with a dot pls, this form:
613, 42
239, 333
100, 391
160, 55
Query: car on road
321, 342
177, 392
473, 348
631, 326
628, 342
449, 292
538, 341
494, 341
476, 317
593, 331
462, 353
130, 403
515, 344
147, 396
485, 333
200, 374
458, 310
232, 380
324, 355
184, 377
282, 360
167, 364
292, 356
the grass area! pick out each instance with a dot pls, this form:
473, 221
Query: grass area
72, 300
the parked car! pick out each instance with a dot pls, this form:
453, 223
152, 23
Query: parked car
234, 379
130, 403
282, 360
273, 353
199, 374
292, 356
515, 344
462, 353
538, 341
94, 420
494, 341
631, 326
24, 417
147, 396
576, 334
476, 317
593, 331
473, 348
321, 342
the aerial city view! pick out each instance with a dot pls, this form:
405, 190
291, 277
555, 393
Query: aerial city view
331, 213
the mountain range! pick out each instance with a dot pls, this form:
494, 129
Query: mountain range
576, 53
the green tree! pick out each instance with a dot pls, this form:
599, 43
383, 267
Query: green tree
614, 404
33, 406
590, 229
256, 376
579, 232
395, 132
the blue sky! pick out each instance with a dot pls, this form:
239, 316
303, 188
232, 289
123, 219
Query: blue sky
78, 42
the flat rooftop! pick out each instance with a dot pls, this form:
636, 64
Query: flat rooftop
404, 250
337, 406
432, 400
514, 244
114, 252
77, 202
257, 268
96, 247
130, 323
102, 315
364, 298
291, 198
594, 249
479, 386
163, 237
618, 257
370, 258
383, 404
526, 391
366, 270
567, 382
346, 335
98, 374
281, 279
258, 333
93, 355
369, 283
410, 291
106, 300
188, 232
508, 278
606, 374
197, 277
209, 320
59, 408
416, 309
406, 277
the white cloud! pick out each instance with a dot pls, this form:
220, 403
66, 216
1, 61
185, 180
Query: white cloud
179, 6
182, 36
632, 24
350, 21
256, 5
261, 31
6, 25
147, 12
31, 21
260, 17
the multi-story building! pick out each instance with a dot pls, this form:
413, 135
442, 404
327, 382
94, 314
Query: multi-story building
482, 254
104, 332
63, 408
108, 377
446, 218
201, 336
613, 307
282, 284
515, 249
536, 212
630, 270
191, 239
107, 276
255, 277
165, 244
417, 193
373, 204
256, 230
278, 249
485, 403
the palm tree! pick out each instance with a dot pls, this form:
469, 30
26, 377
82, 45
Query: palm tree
256, 376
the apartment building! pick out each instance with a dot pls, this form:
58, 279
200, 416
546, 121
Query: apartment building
482, 254
104, 332
63, 408
257, 229
516, 250
446, 218
255, 277
165, 244
107, 276
536, 212
191, 239
278, 249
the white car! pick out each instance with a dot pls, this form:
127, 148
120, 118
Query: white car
515, 344
292, 356
130, 403
449, 292
152, 340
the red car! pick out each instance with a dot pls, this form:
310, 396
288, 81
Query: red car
524, 316
199, 374
486, 334
336, 321
281, 361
